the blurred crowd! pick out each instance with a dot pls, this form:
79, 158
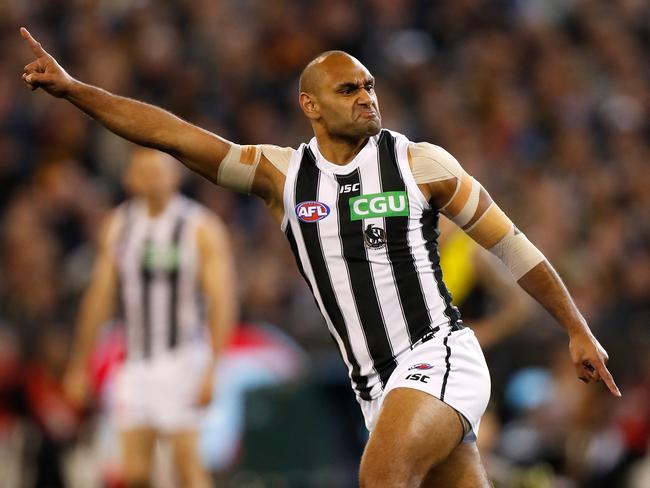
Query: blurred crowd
546, 102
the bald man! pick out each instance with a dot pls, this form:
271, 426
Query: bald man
359, 205
161, 256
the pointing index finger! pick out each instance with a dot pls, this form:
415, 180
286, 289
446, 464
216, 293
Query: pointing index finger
36, 47
607, 378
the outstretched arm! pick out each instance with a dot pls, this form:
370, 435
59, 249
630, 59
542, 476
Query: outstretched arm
464, 201
150, 126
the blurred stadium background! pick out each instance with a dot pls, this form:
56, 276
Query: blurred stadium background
544, 101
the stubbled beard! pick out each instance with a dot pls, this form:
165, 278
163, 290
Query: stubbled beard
369, 129
374, 127
352, 133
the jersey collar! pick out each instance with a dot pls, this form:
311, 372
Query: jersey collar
331, 168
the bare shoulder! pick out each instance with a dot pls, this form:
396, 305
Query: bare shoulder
210, 227
110, 226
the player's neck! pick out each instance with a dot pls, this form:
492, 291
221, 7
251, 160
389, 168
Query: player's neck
338, 150
156, 206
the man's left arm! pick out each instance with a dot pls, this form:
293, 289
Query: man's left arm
589, 358
217, 278
464, 201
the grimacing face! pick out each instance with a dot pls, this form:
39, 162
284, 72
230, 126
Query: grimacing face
344, 93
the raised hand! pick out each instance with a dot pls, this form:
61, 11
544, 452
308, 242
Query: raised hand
589, 359
44, 72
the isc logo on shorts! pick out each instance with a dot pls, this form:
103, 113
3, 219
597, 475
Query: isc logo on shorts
418, 377
312, 211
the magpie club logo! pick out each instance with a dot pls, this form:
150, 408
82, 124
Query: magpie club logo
374, 237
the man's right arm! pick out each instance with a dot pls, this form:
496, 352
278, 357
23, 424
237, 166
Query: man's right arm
150, 126
97, 305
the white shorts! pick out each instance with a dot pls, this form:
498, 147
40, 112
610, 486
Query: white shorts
449, 366
160, 393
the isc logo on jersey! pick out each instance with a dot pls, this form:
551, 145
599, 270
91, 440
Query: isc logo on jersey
387, 204
312, 211
352, 187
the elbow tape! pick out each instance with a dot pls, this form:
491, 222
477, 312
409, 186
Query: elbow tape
517, 253
491, 228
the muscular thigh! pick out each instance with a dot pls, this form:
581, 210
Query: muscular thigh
137, 452
414, 432
187, 460
462, 469
186, 452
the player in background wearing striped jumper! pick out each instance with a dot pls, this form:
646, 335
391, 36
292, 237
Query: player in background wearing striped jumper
359, 206
166, 260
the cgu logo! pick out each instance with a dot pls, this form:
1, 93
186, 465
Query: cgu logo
387, 204
312, 211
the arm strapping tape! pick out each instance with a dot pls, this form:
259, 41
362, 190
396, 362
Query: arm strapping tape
464, 203
237, 169
472, 209
517, 253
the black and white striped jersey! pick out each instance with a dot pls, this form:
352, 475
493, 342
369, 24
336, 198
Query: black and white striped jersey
365, 238
157, 261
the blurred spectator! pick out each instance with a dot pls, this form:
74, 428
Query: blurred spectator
57, 420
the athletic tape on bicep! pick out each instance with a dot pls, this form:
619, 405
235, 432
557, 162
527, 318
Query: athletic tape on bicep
492, 229
237, 169
463, 204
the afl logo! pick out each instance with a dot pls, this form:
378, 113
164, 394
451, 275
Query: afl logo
312, 211
421, 366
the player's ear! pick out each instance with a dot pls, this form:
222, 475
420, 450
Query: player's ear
309, 105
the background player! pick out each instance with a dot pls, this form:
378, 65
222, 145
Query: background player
165, 259
416, 436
